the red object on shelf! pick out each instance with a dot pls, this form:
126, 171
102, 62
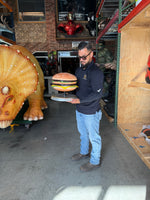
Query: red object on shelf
147, 76
133, 13
70, 28
148, 63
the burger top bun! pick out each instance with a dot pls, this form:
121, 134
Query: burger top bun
64, 82
64, 76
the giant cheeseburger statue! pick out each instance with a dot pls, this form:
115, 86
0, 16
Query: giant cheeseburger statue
64, 82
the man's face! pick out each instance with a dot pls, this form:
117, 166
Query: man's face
85, 56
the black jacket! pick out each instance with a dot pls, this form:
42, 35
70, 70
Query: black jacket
90, 82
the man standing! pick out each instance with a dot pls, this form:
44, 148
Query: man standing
88, 112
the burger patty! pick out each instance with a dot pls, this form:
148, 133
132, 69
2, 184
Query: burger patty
64, 80
58, 84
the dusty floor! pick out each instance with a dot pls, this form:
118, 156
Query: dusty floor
35, 163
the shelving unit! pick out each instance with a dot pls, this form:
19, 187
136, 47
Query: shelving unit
111, 10
42, 57
116, 10
62, 10
133, 92
108, 9
7, 41
50, 91
7, 35
132, 109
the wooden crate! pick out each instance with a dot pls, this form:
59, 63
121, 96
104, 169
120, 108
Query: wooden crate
133, 91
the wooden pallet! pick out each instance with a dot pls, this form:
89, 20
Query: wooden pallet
19, 118
131, 133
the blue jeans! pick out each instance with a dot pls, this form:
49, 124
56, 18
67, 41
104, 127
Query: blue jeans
88, 127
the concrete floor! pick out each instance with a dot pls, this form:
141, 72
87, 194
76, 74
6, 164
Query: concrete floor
35, 163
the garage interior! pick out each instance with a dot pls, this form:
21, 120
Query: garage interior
36, 162
35, 156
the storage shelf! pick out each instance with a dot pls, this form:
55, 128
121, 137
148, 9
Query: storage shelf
4, 39
111, 22
50, 90
139, 21
131, 133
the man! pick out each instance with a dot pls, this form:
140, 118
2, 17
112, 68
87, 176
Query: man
88, 112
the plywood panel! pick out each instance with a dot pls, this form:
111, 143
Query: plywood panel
133, 102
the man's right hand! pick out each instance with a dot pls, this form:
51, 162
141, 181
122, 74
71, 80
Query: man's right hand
75, 101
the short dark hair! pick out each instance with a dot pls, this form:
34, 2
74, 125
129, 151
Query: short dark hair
83, 45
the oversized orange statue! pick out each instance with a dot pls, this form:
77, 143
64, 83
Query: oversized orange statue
21, 78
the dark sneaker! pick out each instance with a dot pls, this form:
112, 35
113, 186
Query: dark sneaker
79, 156
88, 167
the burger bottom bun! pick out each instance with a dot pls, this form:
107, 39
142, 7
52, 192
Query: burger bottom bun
67, 89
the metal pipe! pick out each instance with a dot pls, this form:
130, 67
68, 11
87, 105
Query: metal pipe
118, 64
99, 8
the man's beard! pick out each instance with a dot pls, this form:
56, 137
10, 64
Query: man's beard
85, 66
